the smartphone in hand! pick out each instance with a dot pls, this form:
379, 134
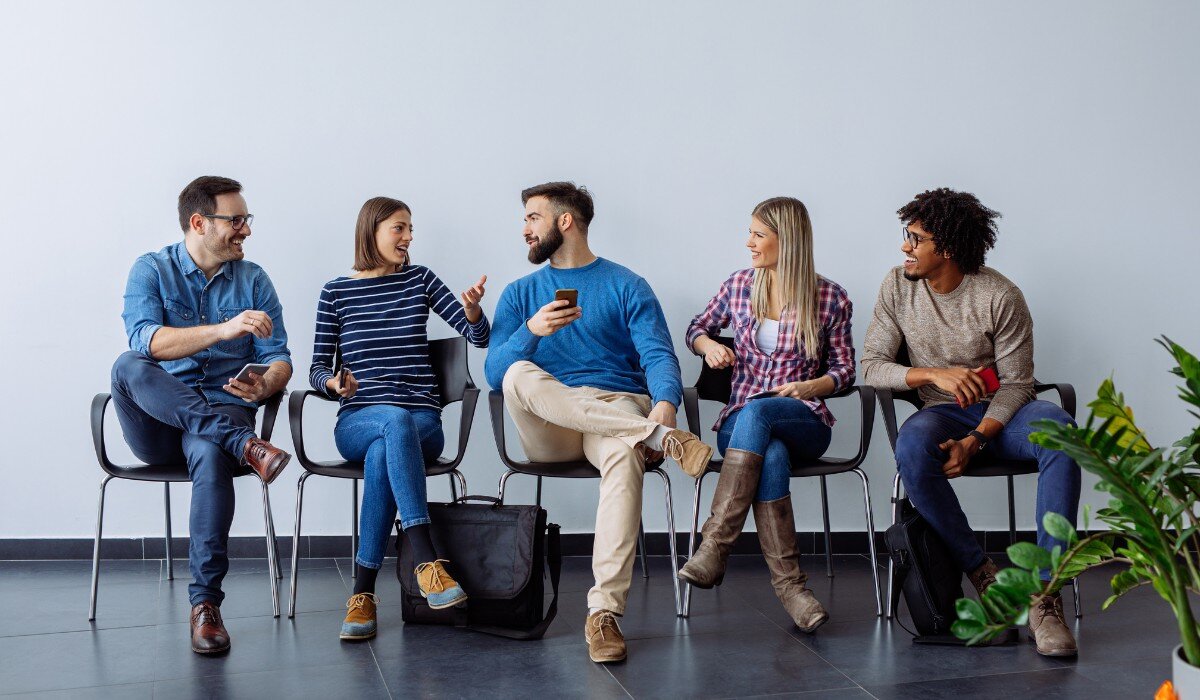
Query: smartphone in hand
343, 374
990, 379
244, 374
570, 295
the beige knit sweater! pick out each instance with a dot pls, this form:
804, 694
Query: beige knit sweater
984, 322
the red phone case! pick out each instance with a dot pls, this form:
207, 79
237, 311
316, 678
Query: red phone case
990, 380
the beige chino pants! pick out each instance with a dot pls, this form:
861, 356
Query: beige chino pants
557, 423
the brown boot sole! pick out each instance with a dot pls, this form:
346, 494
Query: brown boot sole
691, 582
1056, 653
276, 469
212, 652
813, 628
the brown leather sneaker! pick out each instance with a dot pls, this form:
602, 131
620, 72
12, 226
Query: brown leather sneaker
360, 617
264, 458
689, 451
1048, 629
208, 632
983, 577
605, 642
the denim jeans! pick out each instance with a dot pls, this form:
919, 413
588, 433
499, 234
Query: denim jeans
781, 430
167, 422
394, 443
920, 462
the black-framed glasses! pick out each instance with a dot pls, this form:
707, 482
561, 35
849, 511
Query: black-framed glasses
237, 222
913, 239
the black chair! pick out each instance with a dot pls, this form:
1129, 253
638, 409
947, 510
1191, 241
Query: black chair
166, 474
980, 466
716, 385
448, 358
577, 469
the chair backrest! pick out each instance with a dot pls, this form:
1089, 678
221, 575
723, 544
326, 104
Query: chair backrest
911, 395
715, 384
448, 358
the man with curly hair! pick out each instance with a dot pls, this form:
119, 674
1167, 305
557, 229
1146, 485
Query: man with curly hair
959, 320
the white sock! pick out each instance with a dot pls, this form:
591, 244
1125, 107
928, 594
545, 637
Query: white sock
593, 611
655, 440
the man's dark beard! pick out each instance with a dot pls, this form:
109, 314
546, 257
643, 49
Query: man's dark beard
544, 248
910, 278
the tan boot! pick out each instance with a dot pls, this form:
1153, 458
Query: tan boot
736, 485
1048, 628
983, 577
777, 536
690, 452
605, 642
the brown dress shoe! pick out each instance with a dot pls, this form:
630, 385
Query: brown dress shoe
736, 485
1048, 629
689, 451
264, 458
208, 632
777, 537
605, 642
983, 577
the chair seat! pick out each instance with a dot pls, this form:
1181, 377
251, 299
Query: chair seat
823, 466
158, 472
995, 467
345, 469
579, 469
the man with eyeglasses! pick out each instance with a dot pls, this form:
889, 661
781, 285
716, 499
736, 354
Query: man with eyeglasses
195, 314
961, 321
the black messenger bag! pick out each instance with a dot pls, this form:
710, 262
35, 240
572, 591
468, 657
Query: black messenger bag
498, 554
926, 574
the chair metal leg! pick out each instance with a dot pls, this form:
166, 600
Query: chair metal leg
1012, 514
96, 549
1075, 593
893, 595
828, 539
167, 542
871, 538
453, 489
462, 482
271, 565
503, 482
273, 542
670, 506
538, 500
687, 588
354, 528
641, 545
296, 544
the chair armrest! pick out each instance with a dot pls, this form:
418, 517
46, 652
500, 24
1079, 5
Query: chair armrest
469, 400
296, 420
691, 410
887, 405
866, 398
496, 409
270, 413
1066, 395
99, 403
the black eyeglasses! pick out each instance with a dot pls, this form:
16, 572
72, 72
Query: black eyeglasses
237, 222
913, 239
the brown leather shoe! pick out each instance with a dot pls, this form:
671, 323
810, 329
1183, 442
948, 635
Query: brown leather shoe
736, 485
208, 632
983, 577
1049, 630
689, 451
777, 537
264, 458
605, 642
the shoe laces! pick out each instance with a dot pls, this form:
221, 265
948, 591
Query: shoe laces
437, 570
358, 601
1048, 607
604, 620
207, 615
673, 447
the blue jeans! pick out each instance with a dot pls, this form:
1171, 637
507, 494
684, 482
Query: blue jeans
781, 430
167, 422
920, 462
394, 443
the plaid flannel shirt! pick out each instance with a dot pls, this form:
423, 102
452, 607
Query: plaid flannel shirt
755, 371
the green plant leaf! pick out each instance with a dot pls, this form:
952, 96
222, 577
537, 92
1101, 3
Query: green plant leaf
1059, 528
1029, 556
966, 629
970, 609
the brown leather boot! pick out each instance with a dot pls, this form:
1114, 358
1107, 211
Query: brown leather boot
983, 577
1049, 630
777, 536
605, 642
736, 485
208, 632
264, 458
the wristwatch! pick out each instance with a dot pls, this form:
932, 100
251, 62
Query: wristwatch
980, 438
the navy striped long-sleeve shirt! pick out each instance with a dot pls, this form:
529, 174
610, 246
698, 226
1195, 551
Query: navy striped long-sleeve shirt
379, 324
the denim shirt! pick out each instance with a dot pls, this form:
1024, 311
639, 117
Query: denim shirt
167, 289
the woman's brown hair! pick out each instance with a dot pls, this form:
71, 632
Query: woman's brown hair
375, 211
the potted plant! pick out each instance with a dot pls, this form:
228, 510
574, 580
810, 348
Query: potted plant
1152, 519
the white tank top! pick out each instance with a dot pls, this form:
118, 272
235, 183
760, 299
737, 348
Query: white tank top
767, 335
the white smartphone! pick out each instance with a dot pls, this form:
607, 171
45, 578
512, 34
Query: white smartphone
244, 375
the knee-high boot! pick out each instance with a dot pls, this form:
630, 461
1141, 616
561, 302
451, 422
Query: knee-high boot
736, 486
777, 536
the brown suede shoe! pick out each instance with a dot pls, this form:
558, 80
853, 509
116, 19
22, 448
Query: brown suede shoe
264, 458
689, 451
360, 617
605, 642
1049, 630
983, 577
208, 632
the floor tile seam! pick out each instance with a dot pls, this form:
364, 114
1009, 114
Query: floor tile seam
234, 674
74, 687
379, 669
613, 676
1064, 667
97, 629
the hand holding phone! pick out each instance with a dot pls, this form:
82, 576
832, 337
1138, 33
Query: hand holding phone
553, 316
991, 380
571, 296
244, 374
344, 383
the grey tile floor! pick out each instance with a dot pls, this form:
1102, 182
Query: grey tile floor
737, 643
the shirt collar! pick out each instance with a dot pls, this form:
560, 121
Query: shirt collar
188, 266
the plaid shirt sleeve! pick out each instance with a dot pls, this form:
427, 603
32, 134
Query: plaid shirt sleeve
715, 316
837, 310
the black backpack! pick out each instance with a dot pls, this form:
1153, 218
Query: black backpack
926, 574
499, 555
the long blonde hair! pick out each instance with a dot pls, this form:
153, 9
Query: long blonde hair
795, 274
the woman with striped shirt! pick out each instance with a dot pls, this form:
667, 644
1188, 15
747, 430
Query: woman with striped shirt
390, 414
792, 346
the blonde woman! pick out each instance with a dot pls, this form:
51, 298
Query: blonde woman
791, 332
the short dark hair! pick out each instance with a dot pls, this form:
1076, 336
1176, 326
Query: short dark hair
375, 211
960, 225
200, 196
565, 197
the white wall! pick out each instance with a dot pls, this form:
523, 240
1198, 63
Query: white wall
1076, 120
